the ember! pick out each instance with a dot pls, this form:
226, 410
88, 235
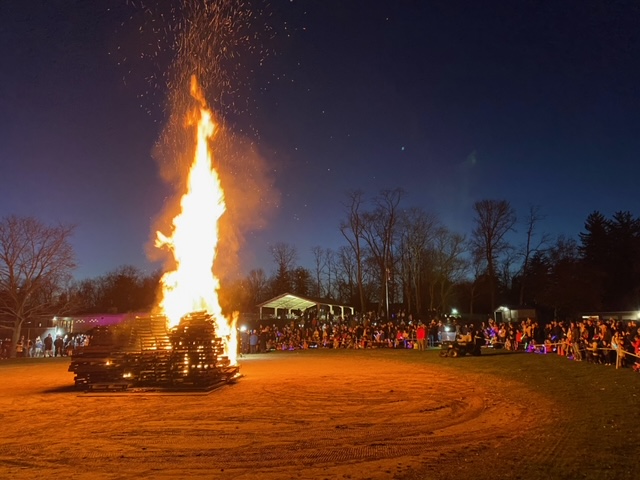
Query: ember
141, 355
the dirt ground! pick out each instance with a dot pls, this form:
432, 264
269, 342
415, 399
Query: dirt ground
291, 416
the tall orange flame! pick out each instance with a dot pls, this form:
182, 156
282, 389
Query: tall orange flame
192, 286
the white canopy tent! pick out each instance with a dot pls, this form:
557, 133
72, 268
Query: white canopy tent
290, 302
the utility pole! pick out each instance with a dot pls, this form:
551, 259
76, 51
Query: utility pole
386, 291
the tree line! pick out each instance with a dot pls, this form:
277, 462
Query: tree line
398, 257
394, 257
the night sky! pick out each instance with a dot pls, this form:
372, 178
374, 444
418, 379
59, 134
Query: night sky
533, 102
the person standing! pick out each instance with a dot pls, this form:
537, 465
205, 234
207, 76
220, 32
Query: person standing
421, 335
58, 345
48, 346
20, 347
5, 348
253, 342
262, 340
606, 335
244, 341
575, 341
38, 346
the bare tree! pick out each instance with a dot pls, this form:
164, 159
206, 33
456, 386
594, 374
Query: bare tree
493, 220
417, 229
476, 283
352, 231
36, 261
531, 246
330, 261
448, 267
506, 266
378, 231
346, 274
257, 284
124, 289
320, 265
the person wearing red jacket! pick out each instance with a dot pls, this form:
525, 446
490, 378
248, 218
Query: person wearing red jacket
421, 336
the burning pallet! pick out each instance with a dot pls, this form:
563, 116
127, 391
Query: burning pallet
197, 353
143, 355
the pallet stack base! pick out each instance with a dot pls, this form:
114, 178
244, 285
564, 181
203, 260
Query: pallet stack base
142, 355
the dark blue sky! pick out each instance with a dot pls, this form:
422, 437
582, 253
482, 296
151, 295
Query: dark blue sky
533, 102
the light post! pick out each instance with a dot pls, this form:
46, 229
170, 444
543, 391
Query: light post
386, 291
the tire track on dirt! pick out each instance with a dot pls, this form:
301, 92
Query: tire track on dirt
329, 414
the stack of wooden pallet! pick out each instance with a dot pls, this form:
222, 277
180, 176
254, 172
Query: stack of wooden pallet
151, 361
99, 362
143, 353
196, 351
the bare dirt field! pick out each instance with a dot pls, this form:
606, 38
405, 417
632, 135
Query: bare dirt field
293, 415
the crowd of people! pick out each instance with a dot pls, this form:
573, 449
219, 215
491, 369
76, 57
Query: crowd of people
595, 340
352, 332
608, 342
43, 347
